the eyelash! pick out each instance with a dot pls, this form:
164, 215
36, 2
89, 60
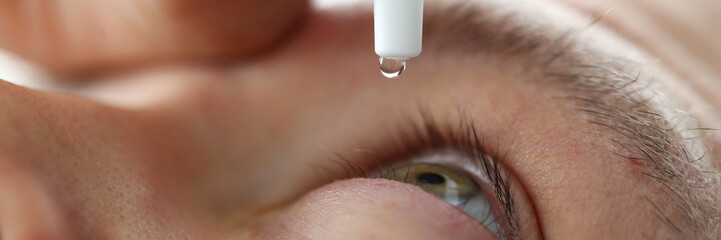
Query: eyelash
432, 135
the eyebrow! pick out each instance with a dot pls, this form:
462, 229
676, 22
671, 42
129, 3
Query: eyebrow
610, 89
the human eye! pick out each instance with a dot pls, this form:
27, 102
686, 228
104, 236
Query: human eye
454, 163
445, 174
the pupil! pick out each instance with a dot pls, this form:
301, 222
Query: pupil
431, 178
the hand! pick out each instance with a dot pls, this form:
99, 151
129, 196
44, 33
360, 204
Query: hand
80, 37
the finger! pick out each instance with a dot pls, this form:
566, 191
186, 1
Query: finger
371, 209
75, 36
26, 211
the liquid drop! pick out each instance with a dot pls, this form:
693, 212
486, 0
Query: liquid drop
392, 68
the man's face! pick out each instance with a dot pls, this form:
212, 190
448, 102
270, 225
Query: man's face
559, 129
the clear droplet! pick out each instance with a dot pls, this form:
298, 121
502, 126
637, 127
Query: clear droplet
392, 67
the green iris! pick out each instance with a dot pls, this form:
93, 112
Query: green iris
452, 186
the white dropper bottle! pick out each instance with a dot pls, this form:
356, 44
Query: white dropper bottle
398, 26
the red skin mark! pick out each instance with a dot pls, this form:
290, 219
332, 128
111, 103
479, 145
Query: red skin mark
636, 162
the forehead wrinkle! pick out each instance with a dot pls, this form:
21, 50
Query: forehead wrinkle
611, 90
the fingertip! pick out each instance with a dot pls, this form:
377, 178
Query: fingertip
372, 209
26, 211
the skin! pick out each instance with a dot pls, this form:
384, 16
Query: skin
135, 34
180, 149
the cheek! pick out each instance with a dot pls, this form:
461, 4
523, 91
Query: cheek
369, 209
